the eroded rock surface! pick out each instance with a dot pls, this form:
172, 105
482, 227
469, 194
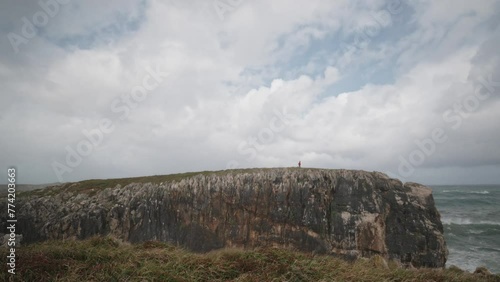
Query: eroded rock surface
342, 212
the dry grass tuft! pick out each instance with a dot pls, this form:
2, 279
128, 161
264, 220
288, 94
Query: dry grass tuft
106, 259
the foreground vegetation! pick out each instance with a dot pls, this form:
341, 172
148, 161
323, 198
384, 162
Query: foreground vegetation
106, 259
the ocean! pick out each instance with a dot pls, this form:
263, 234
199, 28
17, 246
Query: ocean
471, 221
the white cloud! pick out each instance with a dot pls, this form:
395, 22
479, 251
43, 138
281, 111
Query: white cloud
229, 78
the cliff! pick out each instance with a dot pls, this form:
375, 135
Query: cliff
341, 212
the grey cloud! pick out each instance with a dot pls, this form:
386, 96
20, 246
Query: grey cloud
224, 88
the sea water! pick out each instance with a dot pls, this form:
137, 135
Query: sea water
471, 221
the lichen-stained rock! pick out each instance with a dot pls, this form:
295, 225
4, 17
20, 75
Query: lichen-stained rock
340, 212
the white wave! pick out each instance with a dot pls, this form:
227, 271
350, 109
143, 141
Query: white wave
466, 221
466, 192
464, 259
478, 192
476, 232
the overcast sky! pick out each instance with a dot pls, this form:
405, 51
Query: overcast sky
93, 89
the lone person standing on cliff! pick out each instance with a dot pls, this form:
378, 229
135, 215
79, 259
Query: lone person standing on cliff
299, 164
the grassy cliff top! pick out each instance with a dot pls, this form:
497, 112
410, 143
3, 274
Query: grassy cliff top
105, 259
93, 185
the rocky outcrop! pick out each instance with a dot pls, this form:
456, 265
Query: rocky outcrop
340, 212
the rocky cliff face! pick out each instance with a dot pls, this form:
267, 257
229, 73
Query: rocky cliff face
341, 212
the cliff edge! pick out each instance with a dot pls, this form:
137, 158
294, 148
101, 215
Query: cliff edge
340, 212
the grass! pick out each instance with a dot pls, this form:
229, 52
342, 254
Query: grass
106, 259
92, 186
